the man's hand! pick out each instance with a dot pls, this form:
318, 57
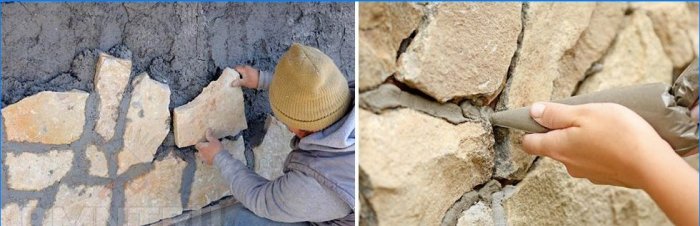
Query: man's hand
249, 76
606, 143
207, 150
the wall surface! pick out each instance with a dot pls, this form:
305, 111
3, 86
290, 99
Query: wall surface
430, 74
182, 47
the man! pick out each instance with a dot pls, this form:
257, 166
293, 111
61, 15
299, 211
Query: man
310, 95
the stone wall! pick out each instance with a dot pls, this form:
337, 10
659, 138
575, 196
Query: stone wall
431, 73
89, 90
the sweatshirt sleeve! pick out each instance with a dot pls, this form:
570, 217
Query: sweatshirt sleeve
293, 197
264, 79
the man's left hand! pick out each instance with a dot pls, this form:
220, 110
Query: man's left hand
207, 150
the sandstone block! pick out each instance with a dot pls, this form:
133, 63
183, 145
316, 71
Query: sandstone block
148, 122
383, 26
98, 162
111, 77
414, 178
155, 195
81, 205
46, 117
675, 26
636, 57
208, 185
549, 196
219, 107
464, 51
33, 172
478, 214
272, 152
16, 215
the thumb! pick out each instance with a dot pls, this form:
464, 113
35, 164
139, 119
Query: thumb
210, 137
201, 145
236, 83
553, 115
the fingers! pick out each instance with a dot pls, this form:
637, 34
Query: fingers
201, 145
553, 115
545, 144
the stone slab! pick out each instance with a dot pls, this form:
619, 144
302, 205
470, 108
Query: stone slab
98, 162
156, 194
147, 122
34, 172
16, 215
111, 77
46, 117
207, 184
272, 152
414, 178
80, 205
676, 27
219, 107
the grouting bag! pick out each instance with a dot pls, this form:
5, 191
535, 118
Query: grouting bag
664, 108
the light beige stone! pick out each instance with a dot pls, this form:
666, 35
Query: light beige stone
382, 28
155, 195
33, 172
147, 122
272, 152
111, 77
207, 184
46, 117
636, 57
16, 215
464, 51
674, 25
98, 162
219, 107
80, 205
478, 214
413, 177
549, 196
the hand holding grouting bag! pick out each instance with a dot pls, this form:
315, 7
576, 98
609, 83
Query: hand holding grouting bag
668, 114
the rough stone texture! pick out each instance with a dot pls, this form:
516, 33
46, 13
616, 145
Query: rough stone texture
383, 26
148, 122
98, 161
80, 205
155, 195
549, 196
111, 77
675, 26
463, 51
47, 117
416, 178
219, 107
636, 57
478, 214
273, 151
207, 184
33, 172
455, 212
556, 50
16, 215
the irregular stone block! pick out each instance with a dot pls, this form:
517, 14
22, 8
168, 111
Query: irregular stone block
415, 178
111, 77
219, 107
155, 195
272, 152
674, 25
549, 196
16, 215
33, 172
383, 26
464, 51
636, 57
478, 214
81, 205
208, 185
98, 162
147, 122
46, 117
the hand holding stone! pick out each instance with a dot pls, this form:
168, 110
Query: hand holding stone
249, 77
207, 150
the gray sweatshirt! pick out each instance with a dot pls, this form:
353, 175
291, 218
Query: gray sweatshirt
294, 196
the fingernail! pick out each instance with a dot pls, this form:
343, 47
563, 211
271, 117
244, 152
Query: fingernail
536, 110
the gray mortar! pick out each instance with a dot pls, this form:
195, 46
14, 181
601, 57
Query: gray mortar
216, 35
455, 211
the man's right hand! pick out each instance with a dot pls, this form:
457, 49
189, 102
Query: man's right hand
250, 76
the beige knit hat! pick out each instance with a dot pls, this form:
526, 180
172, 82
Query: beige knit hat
308, 91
